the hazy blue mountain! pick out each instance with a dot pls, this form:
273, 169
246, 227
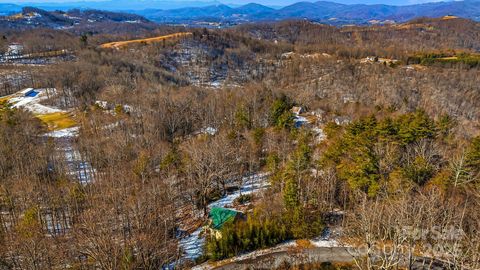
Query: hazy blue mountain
322, 11
253, 8
218, 12
122, 5
215, 11
6, 9
165, 11
33, 17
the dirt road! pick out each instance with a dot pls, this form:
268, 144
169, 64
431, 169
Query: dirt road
120, 44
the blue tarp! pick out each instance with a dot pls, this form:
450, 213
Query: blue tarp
31, 93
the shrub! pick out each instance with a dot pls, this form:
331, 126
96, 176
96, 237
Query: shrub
262, 230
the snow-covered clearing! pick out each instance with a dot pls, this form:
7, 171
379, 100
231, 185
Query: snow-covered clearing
31, 102
251, 184
320, 242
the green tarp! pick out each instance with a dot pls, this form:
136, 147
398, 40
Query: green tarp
220, 215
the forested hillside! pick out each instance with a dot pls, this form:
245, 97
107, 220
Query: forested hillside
362, 140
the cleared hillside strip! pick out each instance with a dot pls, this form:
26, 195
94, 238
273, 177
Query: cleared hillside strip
120, 44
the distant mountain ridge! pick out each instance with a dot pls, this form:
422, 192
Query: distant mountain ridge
6, 9
116, 5
32, 17
322, 11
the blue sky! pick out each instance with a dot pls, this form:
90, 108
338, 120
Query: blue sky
265, 2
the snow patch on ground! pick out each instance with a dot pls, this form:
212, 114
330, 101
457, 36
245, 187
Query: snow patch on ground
42, 109
319, 134
320, 242
210, 130
78, 167
64, 133
250, 185
193, 244
300, 121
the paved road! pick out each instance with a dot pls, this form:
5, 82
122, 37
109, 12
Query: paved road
275, 259
313, 255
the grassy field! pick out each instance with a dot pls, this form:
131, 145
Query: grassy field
120, 44
446, 59
5, 98
57, 121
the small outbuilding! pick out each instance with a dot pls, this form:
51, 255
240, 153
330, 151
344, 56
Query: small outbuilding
219, 216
